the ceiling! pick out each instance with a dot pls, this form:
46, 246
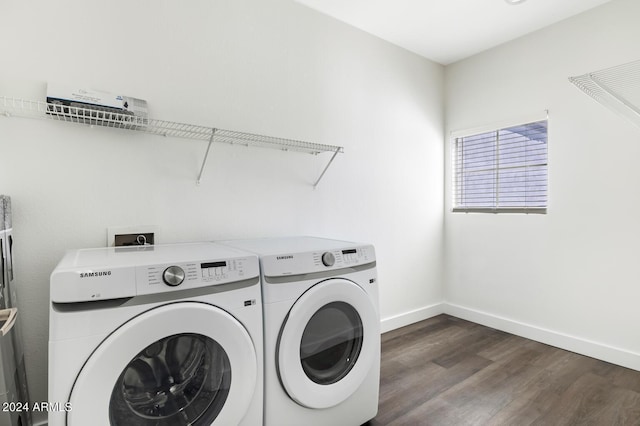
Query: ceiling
446, 31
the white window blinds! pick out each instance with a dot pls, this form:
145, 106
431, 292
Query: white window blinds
502, 170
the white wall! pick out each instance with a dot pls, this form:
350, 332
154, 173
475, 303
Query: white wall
569, 277
271, 67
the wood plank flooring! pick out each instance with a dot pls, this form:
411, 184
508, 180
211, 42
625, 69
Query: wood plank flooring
447, 371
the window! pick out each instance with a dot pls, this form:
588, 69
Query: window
502, 170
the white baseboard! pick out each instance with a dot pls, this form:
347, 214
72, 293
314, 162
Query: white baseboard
560, 340
397, 321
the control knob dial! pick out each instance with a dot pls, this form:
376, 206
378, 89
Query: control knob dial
328, 259
173, 276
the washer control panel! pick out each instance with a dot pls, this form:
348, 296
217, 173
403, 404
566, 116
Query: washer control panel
162, 278
107, 273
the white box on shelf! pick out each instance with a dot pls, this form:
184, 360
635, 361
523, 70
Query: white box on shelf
69, 96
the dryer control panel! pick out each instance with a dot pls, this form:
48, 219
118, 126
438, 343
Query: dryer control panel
343, 258
317, 261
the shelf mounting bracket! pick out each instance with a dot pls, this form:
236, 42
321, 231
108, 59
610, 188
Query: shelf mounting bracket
326, 167
206, 154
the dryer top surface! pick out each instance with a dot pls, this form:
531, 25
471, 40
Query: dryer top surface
286, 245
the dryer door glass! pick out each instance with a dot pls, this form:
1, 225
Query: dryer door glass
331, 343
182, 379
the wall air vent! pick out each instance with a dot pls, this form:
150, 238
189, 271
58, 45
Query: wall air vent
617, 88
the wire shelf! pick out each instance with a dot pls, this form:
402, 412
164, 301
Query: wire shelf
617, 88
107, 118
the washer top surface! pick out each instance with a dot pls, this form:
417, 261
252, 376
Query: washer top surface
146, 255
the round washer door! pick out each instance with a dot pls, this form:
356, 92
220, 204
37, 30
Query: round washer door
185, 363
328, 343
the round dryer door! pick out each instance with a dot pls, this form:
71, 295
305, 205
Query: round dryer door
328, 344
179, 364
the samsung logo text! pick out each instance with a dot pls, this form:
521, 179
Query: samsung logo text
94, 274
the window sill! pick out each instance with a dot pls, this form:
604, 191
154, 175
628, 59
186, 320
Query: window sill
521, 210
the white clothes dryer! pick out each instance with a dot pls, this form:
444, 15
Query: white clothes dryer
156, 335
321, 330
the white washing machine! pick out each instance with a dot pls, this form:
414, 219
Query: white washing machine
156, 335
321, 330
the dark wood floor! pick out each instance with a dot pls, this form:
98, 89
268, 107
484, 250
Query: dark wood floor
447, 371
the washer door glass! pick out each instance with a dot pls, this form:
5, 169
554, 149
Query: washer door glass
331, 343
182, 379
185, 363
